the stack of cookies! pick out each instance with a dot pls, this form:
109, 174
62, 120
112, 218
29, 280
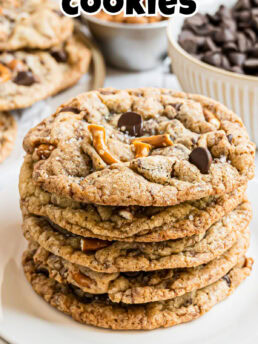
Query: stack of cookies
134, 207
39, 54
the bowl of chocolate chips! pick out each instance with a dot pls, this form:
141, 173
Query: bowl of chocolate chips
215, 53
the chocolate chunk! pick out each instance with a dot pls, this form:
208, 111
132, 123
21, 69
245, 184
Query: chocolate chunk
237, 59
70, 109
131, 123
201, 158
59, 55
230, 138
227, 279
25, 78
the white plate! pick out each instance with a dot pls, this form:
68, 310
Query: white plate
27, 319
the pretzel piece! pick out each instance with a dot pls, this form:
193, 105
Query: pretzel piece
99, 142
5, 73
157, 141
93, 244
141, 149
82, 280
16, 65
211, 118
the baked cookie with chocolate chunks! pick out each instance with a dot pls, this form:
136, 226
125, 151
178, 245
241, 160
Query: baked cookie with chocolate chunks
29, 76
97, 310
131, 223
8, 131
116, 256
139, 287
32, 24
146, 147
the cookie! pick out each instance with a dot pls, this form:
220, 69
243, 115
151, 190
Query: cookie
34, 24
29, 76
8, 131
139, 287
146, 147
106, 256
99, 311
135, 223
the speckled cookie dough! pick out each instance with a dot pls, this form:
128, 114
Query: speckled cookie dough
29, 76
106, 256
34, 24
175, 147
8, 131
135, 223
139, 287
99, 311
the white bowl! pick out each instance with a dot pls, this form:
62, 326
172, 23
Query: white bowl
134, 47
238, 92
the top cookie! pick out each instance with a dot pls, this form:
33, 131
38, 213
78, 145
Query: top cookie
32, 24
148, 147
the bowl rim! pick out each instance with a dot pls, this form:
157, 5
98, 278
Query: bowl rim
204, 65
157, 25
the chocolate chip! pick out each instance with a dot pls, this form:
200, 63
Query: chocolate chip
251, 65
229, 47
237, 69
131, 123
224, 35
70, 109
25, 78
225, 63
131, 274
59, 55
242, 42
177, 106
237, 59
212, 58
230, 138
189, 42
251, 35
253, 52
227, 279
209, 45
201, 158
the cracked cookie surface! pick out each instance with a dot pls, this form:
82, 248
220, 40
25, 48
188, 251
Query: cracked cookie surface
32, 24
98, 311
141, 224
104, 256
29, 76
175, 147
8, 131
139, 287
